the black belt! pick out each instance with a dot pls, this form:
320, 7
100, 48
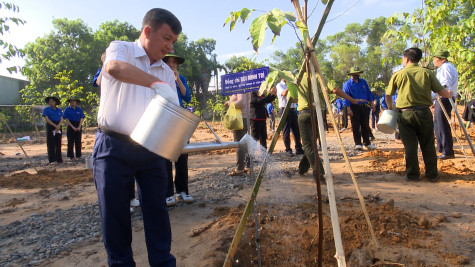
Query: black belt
116, 135
413, 108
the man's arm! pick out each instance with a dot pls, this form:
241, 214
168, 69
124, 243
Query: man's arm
128, 73
389, 101
445, 93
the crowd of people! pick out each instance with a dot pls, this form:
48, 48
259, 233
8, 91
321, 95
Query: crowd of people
134, 72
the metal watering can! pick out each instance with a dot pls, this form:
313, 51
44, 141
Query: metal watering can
165, 129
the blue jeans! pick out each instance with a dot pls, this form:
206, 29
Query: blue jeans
116, 163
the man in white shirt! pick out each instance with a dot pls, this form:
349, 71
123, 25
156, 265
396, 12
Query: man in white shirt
291, 123
448, 77
133, 73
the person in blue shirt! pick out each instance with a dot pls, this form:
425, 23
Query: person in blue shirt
74, 116
374, 113
271, 114
358, 88
54, 118
181, 165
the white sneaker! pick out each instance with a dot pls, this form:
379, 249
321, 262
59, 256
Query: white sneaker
134, 202
358, 147
183, 197
171, 201
370, 147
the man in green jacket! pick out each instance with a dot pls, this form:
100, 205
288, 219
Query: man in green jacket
414, 85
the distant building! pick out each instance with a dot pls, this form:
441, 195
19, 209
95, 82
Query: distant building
10, 90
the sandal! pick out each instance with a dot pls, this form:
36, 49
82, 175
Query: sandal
236, 172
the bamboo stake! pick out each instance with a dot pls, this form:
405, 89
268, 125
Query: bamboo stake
18, 142
317, 171
451, 126
345, 155
454, 107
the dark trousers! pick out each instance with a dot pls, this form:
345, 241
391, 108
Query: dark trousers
74, 140
181, 175
443, 134
416, 127
344, 118
116, 163
325, 122
272, 122
305, 125
241, 157
374, 118
360, 121
53, 144
259, 132
291, 124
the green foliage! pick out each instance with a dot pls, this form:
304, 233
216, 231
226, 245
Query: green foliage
274, 19
237, 64
195, 104
8, 50
216, 105
441, 24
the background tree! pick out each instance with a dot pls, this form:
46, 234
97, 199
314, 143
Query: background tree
9, 50
441, 24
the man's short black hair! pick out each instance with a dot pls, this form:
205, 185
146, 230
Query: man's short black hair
414, 54
155, 17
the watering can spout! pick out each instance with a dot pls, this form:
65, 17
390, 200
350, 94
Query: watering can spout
204, 147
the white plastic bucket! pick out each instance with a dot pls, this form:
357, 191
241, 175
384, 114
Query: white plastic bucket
388, 121
165, 128
89, 162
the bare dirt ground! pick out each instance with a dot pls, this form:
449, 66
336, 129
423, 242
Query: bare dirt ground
416, 223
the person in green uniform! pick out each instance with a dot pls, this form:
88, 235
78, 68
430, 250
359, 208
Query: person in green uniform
416, 126
305, 125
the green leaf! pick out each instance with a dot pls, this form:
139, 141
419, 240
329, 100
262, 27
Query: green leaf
258, 31
290, 16
324, 2
276, 21
245, 14
303, 30
293, 89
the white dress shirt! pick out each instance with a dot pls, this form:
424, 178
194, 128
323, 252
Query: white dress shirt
122, 104
448, 77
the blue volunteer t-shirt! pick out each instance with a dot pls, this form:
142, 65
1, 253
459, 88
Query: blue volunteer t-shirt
73, 114
53, 114
358, 90
269, 108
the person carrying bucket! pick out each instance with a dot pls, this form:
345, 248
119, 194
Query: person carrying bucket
133, 75
181, 165
414, 85
358, 88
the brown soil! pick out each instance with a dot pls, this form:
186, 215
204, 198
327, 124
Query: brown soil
416, 223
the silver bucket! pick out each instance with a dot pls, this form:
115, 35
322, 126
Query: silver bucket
388, 121
89, 162
165, 128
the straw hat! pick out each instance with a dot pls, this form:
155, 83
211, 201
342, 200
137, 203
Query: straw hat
54, 98
181, 60
74, 98
355, 70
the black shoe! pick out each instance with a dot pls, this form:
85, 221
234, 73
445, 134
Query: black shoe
289, 153
445, 156
299, 152
412, 179
304, 166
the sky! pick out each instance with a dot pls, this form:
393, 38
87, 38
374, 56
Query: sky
200, 19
